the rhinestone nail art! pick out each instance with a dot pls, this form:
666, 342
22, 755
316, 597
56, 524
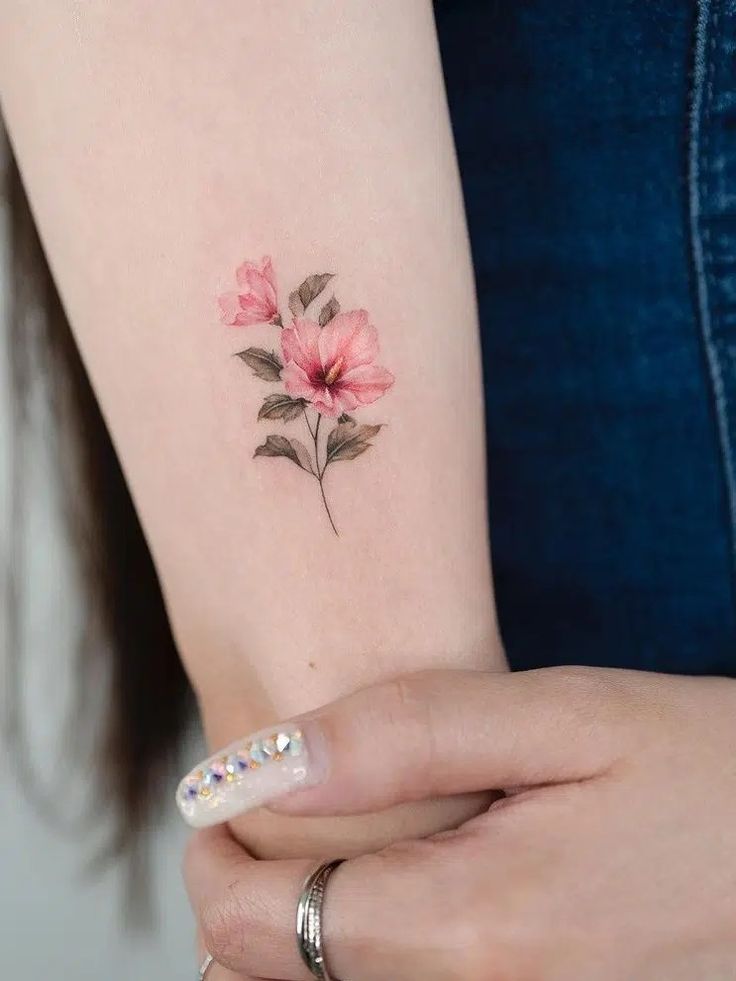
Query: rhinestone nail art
245, 775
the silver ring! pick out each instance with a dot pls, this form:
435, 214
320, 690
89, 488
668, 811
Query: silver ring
309, 920
206, 965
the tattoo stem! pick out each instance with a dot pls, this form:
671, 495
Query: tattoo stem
320, 471
311, 431
327, 507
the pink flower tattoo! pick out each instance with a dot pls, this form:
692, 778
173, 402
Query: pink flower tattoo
333, 367
327, 367
255, 300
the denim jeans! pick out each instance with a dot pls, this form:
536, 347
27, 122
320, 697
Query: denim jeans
597, 146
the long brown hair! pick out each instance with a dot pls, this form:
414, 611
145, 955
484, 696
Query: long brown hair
125, 615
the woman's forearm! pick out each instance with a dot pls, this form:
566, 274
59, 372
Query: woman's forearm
165, 144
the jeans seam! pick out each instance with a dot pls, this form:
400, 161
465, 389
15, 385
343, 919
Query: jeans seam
698, 180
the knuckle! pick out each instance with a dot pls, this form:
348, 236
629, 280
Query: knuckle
402, 706
408, 712
224, 927
403, 693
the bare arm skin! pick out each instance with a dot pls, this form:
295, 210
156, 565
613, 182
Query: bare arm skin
162, 145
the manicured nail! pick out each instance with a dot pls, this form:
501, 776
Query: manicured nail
245, 775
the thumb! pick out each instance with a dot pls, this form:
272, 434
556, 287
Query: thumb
440, 733
432, 734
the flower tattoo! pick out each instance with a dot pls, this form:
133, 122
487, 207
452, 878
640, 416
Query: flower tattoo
327, 367
255, 301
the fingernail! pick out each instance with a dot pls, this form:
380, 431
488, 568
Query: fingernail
248, 774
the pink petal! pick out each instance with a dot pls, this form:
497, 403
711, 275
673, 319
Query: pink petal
260, 287
348, 336
231, 312
366, 383
299, 343
297, 383
268, 273
345, 399
260, 281
256, 308
324, 403
243, 271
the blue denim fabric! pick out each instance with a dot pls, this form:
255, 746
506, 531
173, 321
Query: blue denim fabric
597, 145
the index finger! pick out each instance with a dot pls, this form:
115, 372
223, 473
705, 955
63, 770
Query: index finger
245, 909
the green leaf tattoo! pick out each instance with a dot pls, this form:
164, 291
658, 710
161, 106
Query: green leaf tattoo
265, 364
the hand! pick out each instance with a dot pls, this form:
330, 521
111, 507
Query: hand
613, 855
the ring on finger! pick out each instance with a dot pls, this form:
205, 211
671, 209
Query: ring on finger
309, 919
